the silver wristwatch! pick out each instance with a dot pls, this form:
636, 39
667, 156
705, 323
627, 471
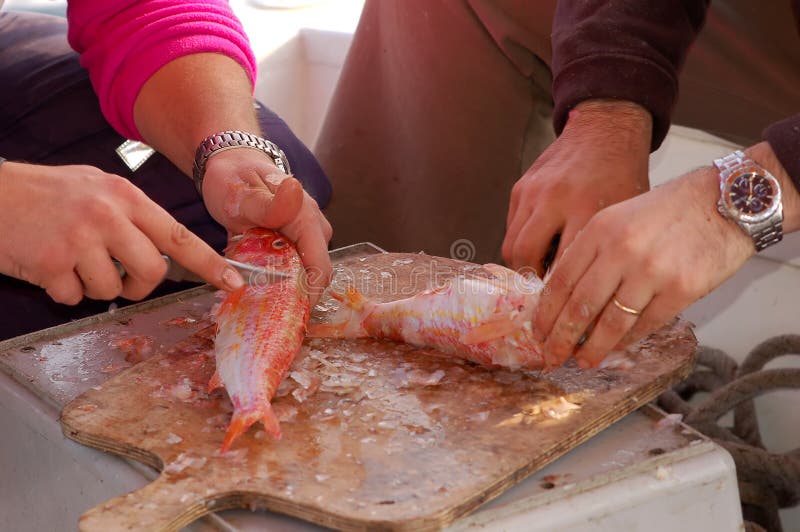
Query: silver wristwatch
751, 197
227, 140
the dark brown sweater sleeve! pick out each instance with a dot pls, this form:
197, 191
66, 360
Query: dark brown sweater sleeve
784, 139
622, 49
784, 136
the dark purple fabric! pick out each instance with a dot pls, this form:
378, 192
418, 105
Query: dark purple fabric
784, 138
622, 49
633, 50
49, 114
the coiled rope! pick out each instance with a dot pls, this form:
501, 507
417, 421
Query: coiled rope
767, 481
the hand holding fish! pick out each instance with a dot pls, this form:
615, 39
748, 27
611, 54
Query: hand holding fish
243, 188
599, 159
63, 224
654, 255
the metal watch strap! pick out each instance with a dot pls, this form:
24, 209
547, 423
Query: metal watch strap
767, 236
227, 140
733, 161
764, 234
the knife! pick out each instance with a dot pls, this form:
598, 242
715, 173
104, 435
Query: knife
252, 275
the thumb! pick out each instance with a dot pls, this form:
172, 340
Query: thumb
260, 207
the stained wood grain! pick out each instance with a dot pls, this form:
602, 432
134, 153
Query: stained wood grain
376, 435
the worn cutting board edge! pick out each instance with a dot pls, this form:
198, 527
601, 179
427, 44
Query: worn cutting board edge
245, 499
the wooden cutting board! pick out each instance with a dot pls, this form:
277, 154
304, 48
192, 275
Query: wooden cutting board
376, 435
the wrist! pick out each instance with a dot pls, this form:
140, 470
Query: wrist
704, 195
763, 154
242, 142
612, 122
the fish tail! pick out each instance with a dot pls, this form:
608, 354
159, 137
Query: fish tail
347, 322
242, 421
352, 298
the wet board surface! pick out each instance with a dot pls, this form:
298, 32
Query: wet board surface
376, 435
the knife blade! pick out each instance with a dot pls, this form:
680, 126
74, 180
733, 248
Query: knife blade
252, 275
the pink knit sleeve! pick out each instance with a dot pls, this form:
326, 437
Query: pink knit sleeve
124, 42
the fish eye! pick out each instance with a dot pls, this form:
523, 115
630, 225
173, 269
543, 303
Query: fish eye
278, 244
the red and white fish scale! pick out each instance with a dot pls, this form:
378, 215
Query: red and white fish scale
259, 332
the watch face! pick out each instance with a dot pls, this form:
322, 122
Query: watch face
752, 196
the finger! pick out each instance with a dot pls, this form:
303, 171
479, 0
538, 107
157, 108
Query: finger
518, 192
585, 303
514, 202
615, 322
260, 207
515, 224
659, 311
558, 288
534, 240
327, 229
99, 276
183, 246
144, 266
65, 288
313, 249
568, 235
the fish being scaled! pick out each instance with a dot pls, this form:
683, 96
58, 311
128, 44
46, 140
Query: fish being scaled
260, 329
484, 320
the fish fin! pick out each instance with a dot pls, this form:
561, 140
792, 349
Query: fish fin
347, 321
495, 327
337, 296
231, 301
215, 381
528, 283
242, 421
352, 298
498, 271
270, 422
326, 330
529, 279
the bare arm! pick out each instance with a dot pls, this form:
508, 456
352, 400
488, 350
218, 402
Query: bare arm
202, 94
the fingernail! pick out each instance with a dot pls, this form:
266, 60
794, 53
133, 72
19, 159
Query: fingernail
231, 279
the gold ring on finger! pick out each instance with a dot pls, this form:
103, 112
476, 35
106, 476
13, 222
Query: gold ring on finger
627, 310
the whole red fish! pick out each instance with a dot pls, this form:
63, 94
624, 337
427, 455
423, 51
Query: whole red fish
260, 329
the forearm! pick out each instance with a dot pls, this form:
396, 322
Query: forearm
190, 98
620, 50
615, 124
124, 43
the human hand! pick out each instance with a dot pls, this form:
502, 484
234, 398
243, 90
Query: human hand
242, 188
655, 254
599, 159
62, 226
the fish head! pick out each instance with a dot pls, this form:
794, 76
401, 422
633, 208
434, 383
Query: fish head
262, 247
